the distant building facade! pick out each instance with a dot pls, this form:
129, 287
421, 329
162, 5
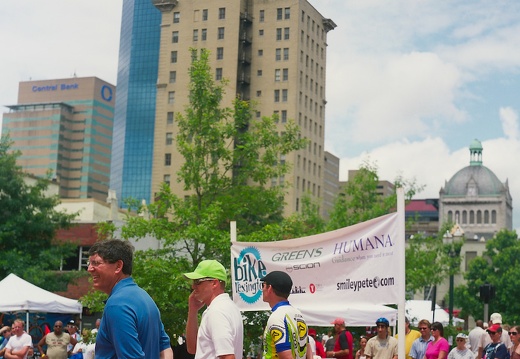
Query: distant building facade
476, 199
65, 126
134, 123
272, 53
331, 186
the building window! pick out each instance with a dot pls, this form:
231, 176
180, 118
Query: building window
220, 35
285, 75
284, 116
286, 32
167, 179
218, 73
285, 53
277, 75
169, 138
469, 256
258, 93
222, 13
471, 217
173, 77
220, 53
479, 216
287, 13
260, 52
203, 34
167, 159
205, 15
285, 95
175, 37
195, 35
493, 217
279, 13
261, 17
169, 118
276, 95
171, 97
258, 114
258, 72
278, 34
486, 216
278, 54
261, 32
176, 17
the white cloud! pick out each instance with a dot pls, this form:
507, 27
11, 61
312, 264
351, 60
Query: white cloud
431, 163
509, 120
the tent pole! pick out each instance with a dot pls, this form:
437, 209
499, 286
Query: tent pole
401, 271
27, 322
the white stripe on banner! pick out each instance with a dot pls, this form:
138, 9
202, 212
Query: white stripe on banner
357, 264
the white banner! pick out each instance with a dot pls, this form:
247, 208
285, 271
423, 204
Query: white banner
357, 265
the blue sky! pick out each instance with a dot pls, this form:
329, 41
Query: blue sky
410, 82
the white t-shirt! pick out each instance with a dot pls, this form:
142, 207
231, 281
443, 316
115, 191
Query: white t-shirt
221, 330
312, 342
17, 343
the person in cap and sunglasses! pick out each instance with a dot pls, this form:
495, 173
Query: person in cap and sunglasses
496, 349
461, 351
285, 335
221, 330
383, 345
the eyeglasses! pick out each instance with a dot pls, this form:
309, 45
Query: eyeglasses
199, 281
94, 264
434, 329
424, 328
513, 333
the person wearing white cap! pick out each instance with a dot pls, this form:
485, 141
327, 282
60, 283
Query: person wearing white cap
221, 330
461, 351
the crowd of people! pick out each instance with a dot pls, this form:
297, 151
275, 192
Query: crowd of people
131, 325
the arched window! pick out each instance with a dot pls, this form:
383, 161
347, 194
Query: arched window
494, 217
450, 216
471, 217
464, 217
457, 216
479, 216
486, 216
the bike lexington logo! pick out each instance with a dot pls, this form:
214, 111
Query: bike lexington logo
248, 270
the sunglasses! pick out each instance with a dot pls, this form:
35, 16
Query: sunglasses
423, 328
513, 333
434, 329
199, 281
491, 333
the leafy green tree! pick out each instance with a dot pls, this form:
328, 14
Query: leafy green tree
359, 200
229, 160
28, 225
498, 267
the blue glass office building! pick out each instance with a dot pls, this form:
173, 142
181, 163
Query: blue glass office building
134, 121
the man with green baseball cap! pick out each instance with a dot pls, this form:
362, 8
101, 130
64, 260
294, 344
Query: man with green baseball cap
221, 331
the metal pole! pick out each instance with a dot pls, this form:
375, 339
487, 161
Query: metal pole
486, 312
451, 299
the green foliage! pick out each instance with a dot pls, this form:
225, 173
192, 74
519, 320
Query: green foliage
28, 225
498, 267
359, 200
428, 262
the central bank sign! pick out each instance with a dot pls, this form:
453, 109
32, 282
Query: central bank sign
106, 91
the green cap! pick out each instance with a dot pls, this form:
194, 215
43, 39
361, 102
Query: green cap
208, 269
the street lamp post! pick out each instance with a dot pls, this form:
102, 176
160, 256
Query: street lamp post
452, 240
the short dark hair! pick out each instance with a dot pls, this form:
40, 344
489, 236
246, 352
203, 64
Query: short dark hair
438, 326
113, 250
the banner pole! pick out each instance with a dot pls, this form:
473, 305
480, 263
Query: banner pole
401, 270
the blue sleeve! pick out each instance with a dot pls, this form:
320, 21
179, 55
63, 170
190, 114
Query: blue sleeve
165, 339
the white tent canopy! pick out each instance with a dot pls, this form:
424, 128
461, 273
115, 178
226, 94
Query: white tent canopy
417, 310
355, 315
17, 295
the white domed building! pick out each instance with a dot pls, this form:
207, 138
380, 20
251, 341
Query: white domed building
476, 199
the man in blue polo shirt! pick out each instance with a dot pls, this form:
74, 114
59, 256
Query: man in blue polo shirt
131, 325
